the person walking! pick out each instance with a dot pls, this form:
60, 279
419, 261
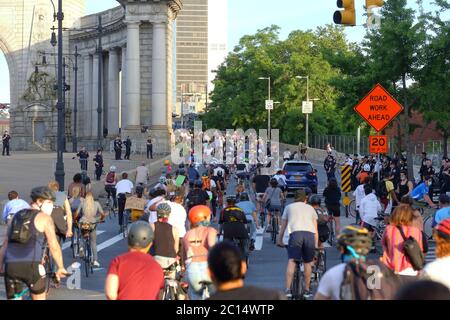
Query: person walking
98, 161
118, 148
83, 156
127, 148
5, 140
149, 147
332, 194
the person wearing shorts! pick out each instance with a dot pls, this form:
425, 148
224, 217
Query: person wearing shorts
273, 195
332, 194
303, 239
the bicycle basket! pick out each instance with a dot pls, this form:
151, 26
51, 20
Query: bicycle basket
86, 228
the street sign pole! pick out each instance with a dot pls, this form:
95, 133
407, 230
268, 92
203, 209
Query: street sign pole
379, 171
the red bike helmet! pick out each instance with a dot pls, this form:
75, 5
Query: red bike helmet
443, 229
198, 214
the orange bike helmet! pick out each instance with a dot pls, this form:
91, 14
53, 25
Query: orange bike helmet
443, 229
198, 214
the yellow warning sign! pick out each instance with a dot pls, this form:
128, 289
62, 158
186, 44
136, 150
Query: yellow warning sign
346, 201
346, 183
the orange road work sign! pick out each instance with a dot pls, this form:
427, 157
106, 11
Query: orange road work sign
378, 144
379, 108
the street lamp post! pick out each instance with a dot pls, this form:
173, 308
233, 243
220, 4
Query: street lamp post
75, 105
268, 111
59, 172
100, 63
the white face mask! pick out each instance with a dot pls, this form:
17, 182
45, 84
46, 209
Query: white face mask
47, 208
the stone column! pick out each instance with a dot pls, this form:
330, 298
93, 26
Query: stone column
123, 89
113, 92
159, 77
87, 96
94, 114
133, 76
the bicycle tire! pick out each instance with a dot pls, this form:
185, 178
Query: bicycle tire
87, 257
351, 209
428, 226
75, 243
294, 285
332, 235
301, 283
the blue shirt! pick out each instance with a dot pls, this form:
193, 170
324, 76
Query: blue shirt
247, 206
193, 174
442, 214
14, 206
420, 191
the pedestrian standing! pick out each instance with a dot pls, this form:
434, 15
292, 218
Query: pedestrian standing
83, 156
98, 161
128, 148
5, 140
118, 148
149, 147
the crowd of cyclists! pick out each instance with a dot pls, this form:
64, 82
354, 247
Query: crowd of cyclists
186, 228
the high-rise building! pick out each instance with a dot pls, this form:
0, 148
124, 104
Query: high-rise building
201, 45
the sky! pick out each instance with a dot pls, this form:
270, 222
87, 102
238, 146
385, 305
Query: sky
247, 16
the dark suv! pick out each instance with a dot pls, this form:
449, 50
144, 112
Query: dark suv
300, 174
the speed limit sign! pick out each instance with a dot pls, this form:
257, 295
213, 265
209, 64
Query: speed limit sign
378, 144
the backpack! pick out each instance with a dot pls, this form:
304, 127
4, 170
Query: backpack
111, 177
368, 280
21, 225
412, 251
195, 198
59, 218
322, 226
381, 190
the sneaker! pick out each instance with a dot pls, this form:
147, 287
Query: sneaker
81, 253
307, 294
96, 264
288, 293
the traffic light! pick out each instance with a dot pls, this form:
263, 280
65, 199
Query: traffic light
348, 15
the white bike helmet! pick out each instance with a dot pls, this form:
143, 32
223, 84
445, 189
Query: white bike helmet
112, 169
162, 180
366, 168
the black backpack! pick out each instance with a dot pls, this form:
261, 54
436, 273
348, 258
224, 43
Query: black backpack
368, 280
195, 198
322, 226
20, 231
412, 251
381, 191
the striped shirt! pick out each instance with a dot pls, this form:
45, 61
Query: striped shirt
393, 256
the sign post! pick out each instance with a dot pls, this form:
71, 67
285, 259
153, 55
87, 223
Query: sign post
346, 185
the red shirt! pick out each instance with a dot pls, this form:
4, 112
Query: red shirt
140, 276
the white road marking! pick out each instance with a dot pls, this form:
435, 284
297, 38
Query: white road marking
109, 242
259, 239
68, 243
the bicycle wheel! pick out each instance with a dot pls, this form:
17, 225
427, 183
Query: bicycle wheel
351, 209
294, 286
75, 243
87, 257
275, 229
331, 227
125, 225
428, 226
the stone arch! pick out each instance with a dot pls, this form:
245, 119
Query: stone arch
6, 38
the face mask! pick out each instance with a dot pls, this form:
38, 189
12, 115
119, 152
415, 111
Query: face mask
47, 208
205, 223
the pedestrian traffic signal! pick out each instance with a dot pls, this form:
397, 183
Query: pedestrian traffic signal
348, 15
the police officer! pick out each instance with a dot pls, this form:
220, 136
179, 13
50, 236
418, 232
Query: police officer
128, 148
5, 139
118, 148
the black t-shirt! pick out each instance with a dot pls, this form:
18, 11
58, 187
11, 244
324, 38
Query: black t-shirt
197, 197
99, 160
83, 154
234, 223
248, 293
261, 182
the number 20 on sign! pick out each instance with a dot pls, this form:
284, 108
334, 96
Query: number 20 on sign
378, 144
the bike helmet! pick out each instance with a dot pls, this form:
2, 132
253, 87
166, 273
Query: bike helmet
162, 179
308, 191
366, 168
315, 200
140, 235
244, 196
231, 199
166, 162
443, 229
139, 190
163, 210
198, 183
356, 237
220, 173
43, 193
198, 214
112, 168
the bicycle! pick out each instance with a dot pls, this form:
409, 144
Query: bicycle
298, 281
275, 227
427, 214
205, 289
351, 209
88, 259
173, 290
76, 239
331, 226
320, 265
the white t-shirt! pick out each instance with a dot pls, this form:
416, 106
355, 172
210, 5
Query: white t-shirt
286, 154
439, 271
369, 208
330, 285
178, 218
359, 195
300, 217
124, 186
280, 176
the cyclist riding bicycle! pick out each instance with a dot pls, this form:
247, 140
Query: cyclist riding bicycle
322, 222
249, 209
23, 249
110, 185
420, 194
348, 280
233, 223
197, 243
